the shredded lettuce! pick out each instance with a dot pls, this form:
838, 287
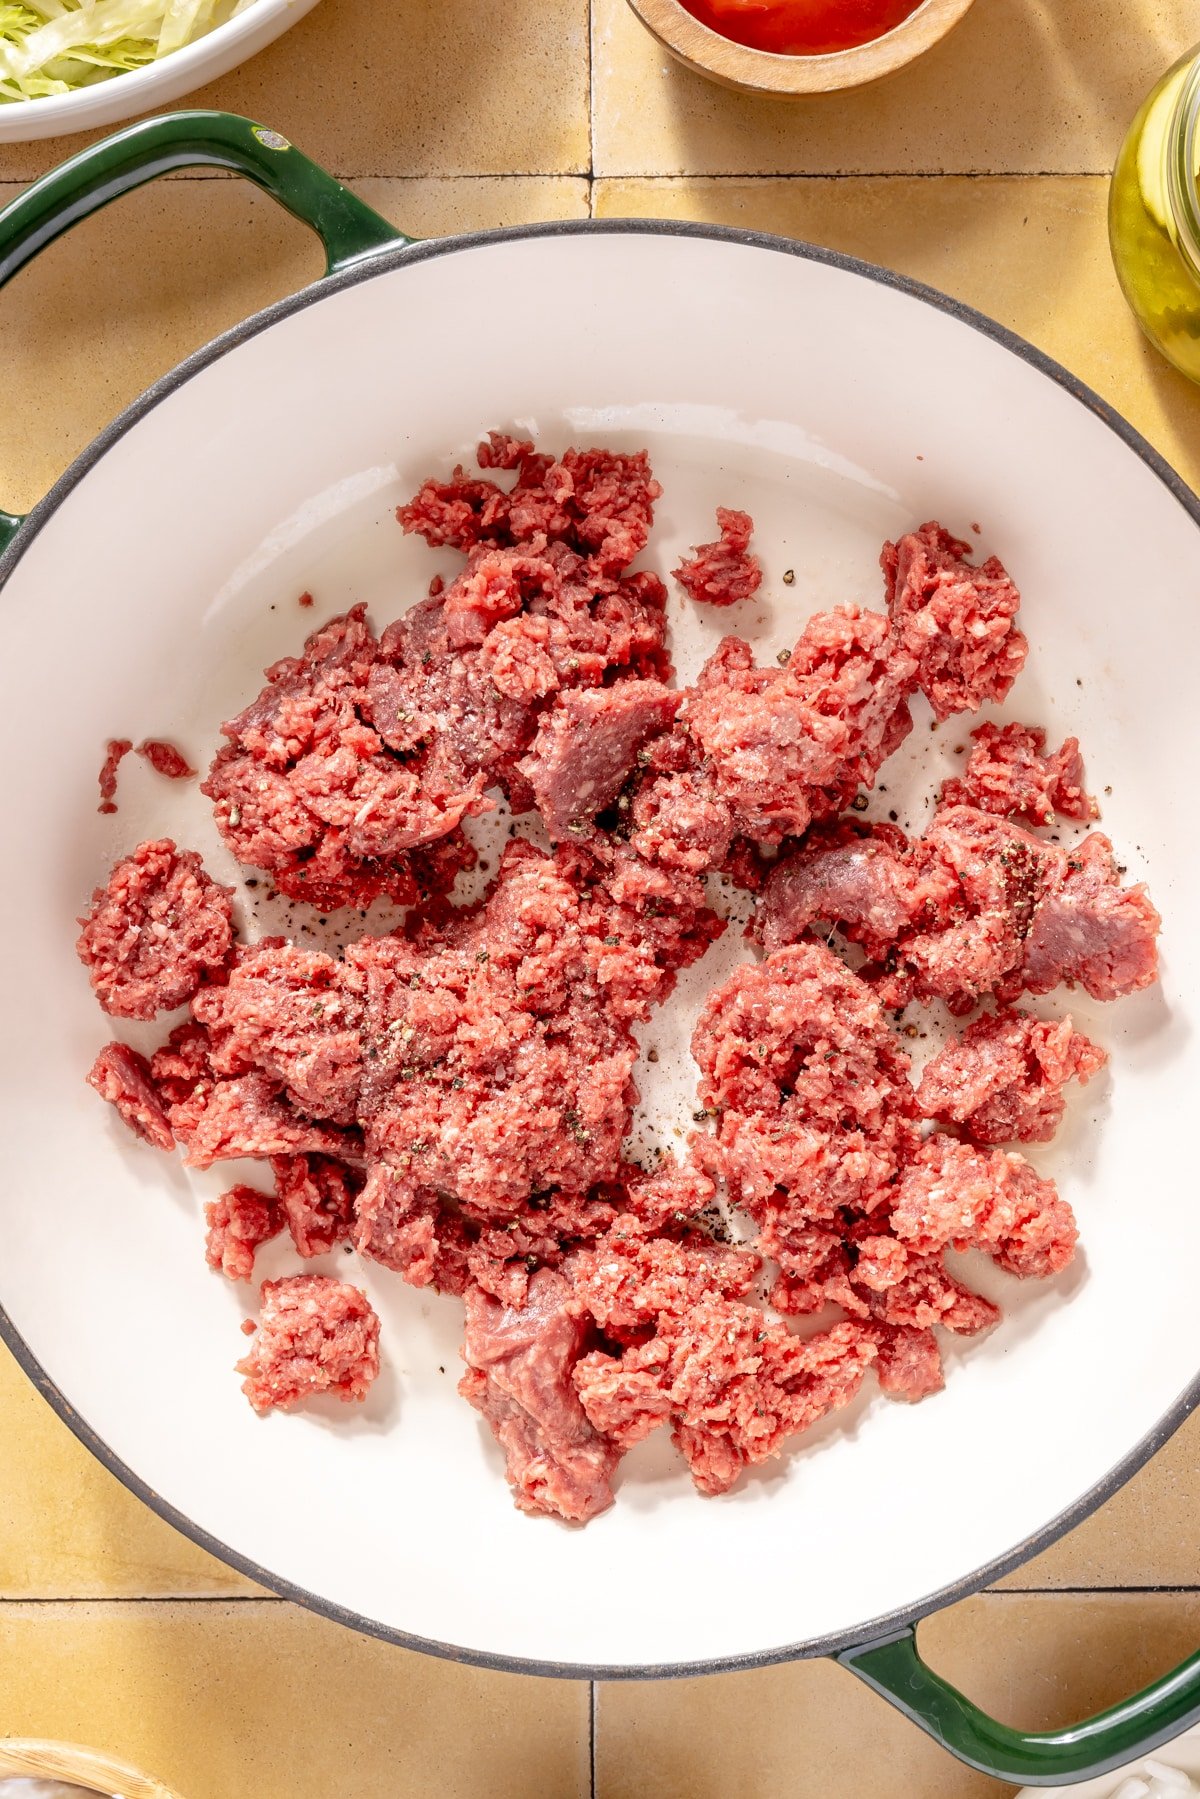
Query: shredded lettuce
55, 46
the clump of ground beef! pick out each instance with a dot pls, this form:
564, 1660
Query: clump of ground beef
954, 1196
786, 745
1003, 1079
316, 1196
350, 774
976, 906
316, 1335
809, 1087
125, 1079
115, 752
293, 1015
1008, 772
727, 571
156, 932
520, 1364
452, 1099
597, 503
498, 1047
166, 759
958, 621
238, 1222
310, 791
586, 745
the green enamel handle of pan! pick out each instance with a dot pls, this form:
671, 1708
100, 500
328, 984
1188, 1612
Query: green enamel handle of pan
348, 228
893, 1668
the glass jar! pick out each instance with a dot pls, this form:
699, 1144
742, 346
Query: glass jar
1154, 216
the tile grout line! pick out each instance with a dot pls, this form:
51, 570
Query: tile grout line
591, 118
749, 178
1088, 1592
43, 1599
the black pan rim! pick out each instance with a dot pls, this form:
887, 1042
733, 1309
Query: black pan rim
871, 1630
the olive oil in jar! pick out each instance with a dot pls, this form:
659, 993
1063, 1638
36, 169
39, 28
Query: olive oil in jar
1154, 217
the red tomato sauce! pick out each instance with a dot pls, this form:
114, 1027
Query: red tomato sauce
802, 27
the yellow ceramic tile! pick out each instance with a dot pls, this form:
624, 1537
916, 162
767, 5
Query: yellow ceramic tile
409, 87
259, 1700
812, 1728
1022, 85
68, 1527
169, 268
1144, 1536
1031, 253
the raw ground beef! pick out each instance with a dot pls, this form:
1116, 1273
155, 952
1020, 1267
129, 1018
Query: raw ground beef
291, 1014
238, 1221
249, 1116
954, 1196
116, 751
519, 1375
816, 1138
957, 621
1088, 931
847, 873
598, 503
452, 1099
123, 1077
725, 572
349, 776
1008, 772
316, 1198
498, 1054
976, 906
316, 1335
308, 790
586, 745
158, 930
786, 745
165, 759
688, 1350
1002, 1081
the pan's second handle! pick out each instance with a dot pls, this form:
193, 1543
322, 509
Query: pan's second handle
892, 1666
349, 229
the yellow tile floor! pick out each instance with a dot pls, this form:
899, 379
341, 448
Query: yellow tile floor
981, 171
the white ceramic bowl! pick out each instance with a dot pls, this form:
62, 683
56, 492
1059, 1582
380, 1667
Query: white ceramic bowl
142, 90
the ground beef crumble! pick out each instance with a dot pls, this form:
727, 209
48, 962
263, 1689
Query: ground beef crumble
976, 906
1003, 1080
156, 932
115, 752
957, 620
125, 1079
238, 1222
727, 571
1008, 772
165, 759
452, 1098
316, 1335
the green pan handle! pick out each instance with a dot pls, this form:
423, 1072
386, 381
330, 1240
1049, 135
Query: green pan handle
348, 228
892, 1667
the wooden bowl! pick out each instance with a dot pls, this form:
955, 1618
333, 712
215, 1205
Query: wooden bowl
37, 1760
763, 72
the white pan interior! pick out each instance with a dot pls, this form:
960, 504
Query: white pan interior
838, 410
